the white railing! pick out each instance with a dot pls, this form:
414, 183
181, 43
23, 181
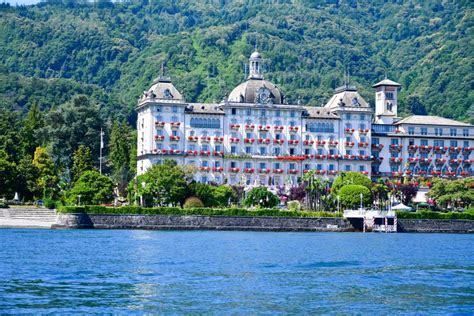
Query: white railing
367, 213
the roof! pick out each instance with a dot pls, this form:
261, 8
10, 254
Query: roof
204, 108
162, 88
320, 112
347, 96
247, 92
430, 120
386, 82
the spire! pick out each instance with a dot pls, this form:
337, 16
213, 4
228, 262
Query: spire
255, 65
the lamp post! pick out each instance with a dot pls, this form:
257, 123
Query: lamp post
79, 198
338, 203
361, 196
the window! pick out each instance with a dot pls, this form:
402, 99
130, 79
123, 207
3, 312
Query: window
348, 116
174, 109
293, 137
203, 122
248, 150
263, 113
233, 111
205, 163
248, 165
439, 143
411, 130
205, 147
332, 151
218, 148
278, 114
278, 136
233, 135
217, 164
276, 151
263, 165
363, 139
233, 164
438, 131
394, 168
292, 151
292, 123
465, 132
307, 151
320, 127
320, 151
263, 135
348, 138
263, 151
204, 179
348, 125
277, 165
278, 123
291, 166
348, 152
307, 167
453, 143
361, 168
389, 95
394, 141
331, 167
174, 132
362, 152
233, 149
411, 142
192, 147
423, 155
362, 126
424, 142
466, 143
375, 141
362, 118
248, 135
347, 167
452, 131
248, 112
292, 114
424, 131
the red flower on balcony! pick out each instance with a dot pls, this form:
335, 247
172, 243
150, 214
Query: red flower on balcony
293, 128
159, 137
308, 142
234, 126
249, 140
377, 146
293, 171
249, 170
349, 144
234, 170
278, 141
249, 126
175, 124
159, 124
264, 140
277, 170
192, 152
264, 170
234, 140
219, 139
217, 169
278, 127
333, 143
218, 153
204, 153
175, 138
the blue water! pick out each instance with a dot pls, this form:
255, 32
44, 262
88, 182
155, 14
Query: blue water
176, 272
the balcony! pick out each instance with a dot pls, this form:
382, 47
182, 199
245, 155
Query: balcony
278, 127
174, 138
440, 149
218, 153
159, 138
159, 124
293, 142
293, 171
467, 150
264, 170
425, 149
332, 172
218, 139
363, 144
349, 157
454, 150
192, 152
377, 160
308, 142
334, 156
349, 144
377, 147
249, 127
264, 140
249, 140
205, 169
395, 160
234, 170
464, 174
205, 153
412, 160
278, 141
425, 161
349, 131
193, 138
234, 140
364, 172
440, 161
383, 129
395, 147
455, 161
218, 169
264, 127
277, 171
235, 126
320, 143
363, 157
468, 162
293, 128
364, 131
412, 148
205, 139
249, 170
175, 124
333, 143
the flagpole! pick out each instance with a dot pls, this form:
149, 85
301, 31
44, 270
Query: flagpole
101, 146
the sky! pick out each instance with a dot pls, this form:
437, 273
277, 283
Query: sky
14, 2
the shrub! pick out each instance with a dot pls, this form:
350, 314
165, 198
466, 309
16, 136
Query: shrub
294, 205
435, 215
92, 188
350, 195
3, 203
192, 202
261, 197
93, 209
350, 177
50, 203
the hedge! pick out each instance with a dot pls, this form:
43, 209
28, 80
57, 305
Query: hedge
435, 215
97, 209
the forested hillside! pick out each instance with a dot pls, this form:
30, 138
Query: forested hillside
119, 47
69, 68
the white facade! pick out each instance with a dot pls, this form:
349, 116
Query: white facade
254, 137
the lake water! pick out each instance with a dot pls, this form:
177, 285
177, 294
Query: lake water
176, 272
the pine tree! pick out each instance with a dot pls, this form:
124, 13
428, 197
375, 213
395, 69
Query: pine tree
29, 133
47, 177
120, 152
81, 162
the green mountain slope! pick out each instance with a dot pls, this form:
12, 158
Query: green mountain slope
119, 48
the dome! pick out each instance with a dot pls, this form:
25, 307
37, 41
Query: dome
163, 88
256, 91
256, 55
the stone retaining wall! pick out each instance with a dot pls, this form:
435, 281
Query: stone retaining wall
435, 225
169, 222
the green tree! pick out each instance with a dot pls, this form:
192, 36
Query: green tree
7, 175
26, 180
48, 180
81, 162
316, 189
453, 193
350, 177
350, 195
164, 184
380, 190
92, 188
29, 133
120, 154
261, 197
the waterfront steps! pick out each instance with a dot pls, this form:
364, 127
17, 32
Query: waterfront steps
27, 217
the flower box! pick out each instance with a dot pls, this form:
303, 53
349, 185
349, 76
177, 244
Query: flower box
377, 146
192, 152
293, 171
320, 142
193, 138
217, 169
174, 138
293, 128
159, 124
293, 142
349, 130
264, 170
249, 127
218, 139
333, 143
175, 124
278, 127
159, 137
205, 153
308, 142
249, 140
264, 140
249, 170
363, 144
234, 126
349, 144
278, 141
234, 140
218, 153
277, 170
234, 170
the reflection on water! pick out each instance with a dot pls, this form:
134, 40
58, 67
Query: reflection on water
119, 271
